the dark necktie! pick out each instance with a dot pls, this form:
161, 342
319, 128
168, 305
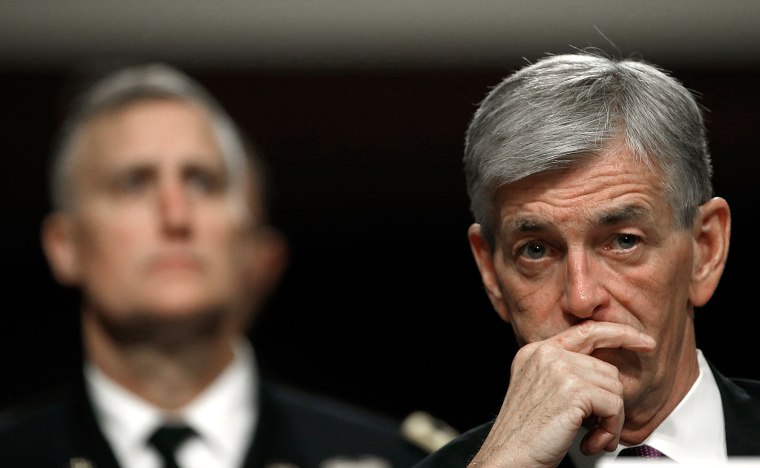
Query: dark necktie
641, 451
167, 439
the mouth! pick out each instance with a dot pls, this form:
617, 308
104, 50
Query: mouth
176, 261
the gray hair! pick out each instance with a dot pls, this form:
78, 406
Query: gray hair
562, 109
124, 87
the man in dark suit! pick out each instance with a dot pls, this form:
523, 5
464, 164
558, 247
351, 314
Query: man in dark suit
159, 220
597, 235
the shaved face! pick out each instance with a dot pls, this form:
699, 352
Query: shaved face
157, 228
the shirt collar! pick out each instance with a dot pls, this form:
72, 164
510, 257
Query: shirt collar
224, 415
694, 430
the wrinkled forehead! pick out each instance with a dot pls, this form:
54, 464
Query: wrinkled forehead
615, 154
616, 173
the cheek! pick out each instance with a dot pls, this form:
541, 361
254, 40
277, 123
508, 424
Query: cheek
227, 241
657, 297
107, 243
533, 306
221, 220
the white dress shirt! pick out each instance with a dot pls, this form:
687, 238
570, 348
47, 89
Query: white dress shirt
224, 417
694, 431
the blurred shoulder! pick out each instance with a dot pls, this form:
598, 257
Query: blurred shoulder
36, 429
458, 452
305, 405
326, 428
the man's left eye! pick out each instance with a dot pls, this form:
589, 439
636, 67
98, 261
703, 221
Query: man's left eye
204, 183
626, 241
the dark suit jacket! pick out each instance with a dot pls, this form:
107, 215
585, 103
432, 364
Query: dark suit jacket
741, 410
293, 427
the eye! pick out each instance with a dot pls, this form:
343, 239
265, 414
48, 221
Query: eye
204, 181
132, 182
625, 241
534, 250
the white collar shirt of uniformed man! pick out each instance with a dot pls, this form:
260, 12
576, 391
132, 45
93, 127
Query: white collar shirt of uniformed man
224, 417
693, 432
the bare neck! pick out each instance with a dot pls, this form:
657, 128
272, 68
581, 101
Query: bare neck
166, 375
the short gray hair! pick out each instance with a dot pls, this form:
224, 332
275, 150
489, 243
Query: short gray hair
562, 109
124, 87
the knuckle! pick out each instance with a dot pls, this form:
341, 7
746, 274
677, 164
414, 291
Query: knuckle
571, 384
618, 387
524, 353
617, 401
584, 328
559, 366
550, 360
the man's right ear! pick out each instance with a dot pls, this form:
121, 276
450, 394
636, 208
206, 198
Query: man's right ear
484, 259
60, 250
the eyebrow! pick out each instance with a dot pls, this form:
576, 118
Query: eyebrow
154, 163
528, 225
623, 214
610, 217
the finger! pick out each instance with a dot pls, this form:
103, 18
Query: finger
599, 374
548, 359
589, 335
608, 406
598, 440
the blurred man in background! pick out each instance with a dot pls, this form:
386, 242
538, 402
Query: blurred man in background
159, 220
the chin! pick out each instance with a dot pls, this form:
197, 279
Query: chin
164, 321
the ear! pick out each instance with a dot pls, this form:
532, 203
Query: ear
712, 230
484, 259
60, 249
268, 261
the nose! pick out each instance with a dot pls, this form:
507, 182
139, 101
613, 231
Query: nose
584, 293
174, 208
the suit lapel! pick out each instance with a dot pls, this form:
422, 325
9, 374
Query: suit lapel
272, 438
88, 438
741, 412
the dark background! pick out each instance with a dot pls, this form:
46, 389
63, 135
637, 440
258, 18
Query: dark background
382, 304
